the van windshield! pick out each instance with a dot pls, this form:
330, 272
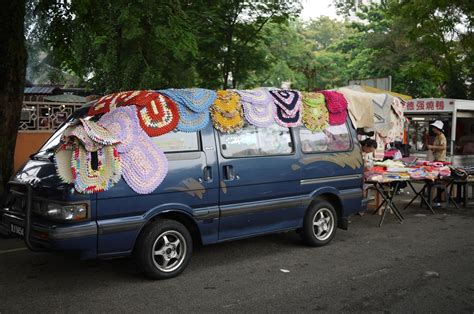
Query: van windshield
48, 148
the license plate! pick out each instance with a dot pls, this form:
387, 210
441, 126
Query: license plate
17, 230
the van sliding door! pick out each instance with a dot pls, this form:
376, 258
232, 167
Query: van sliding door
259, 185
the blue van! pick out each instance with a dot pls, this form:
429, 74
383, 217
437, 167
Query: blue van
219, 187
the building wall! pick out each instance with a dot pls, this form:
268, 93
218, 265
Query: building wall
28, 143
39, 119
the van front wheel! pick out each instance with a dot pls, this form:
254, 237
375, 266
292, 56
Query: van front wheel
319, 226
164, 249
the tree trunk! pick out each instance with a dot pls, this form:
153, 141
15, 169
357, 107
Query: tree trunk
230, 24
12, 81
226, 78
235, 70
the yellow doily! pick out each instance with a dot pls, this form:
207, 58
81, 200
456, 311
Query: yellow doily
226, 112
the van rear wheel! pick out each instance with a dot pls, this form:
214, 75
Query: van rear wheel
164, 249
320, 224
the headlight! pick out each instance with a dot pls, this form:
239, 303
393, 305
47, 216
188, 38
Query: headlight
62, 212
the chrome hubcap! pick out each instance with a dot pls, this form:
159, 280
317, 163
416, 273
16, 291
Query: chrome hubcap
323, 224
169, 251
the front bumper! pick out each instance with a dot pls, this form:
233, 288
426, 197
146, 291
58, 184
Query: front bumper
81, 238
51, 232
42, 234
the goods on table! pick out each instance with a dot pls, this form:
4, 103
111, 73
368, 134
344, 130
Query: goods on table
390, 170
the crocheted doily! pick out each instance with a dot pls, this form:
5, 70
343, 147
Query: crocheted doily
337, 118
112, 101
196, 99
92, 180
153, 122
98, 133
62, 160
190, 121
315, 113
313, 99
282, 119
226, 112
287, 100
258, 96
123, 124
80, 133
258, 106
144, 166
335, 101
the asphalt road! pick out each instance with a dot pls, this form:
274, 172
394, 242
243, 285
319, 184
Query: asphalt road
425, 264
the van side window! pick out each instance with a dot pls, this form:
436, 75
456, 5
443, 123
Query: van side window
333, 139
253, 141
176, 141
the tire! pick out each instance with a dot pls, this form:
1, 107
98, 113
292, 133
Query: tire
320, 224
164, 249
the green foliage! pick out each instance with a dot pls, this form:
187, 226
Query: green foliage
304, 54
286, 55
120, 45
426, 46
443, 28
323, 32
230, 36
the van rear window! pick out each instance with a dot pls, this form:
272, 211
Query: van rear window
253, 141
333, 139
177, 142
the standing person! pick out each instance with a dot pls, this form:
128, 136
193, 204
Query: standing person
439, 153
439, 146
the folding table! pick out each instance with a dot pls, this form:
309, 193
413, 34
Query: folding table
387, 197
421, 193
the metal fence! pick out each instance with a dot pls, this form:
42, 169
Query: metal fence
43, 116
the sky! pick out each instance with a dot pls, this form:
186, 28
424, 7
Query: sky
315, 8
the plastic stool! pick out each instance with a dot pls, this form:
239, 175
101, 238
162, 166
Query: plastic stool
439, 188
462, 191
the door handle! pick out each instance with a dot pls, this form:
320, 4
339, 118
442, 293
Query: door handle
229, 173
207, 173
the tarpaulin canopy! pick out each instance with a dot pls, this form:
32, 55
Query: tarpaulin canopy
375, 90
375, 108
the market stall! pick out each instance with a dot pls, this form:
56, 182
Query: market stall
458, 118
385, 115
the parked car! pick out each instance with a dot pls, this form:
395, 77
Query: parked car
219, 187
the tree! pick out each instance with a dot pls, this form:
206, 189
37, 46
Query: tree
119, 46
442, 29
426, 46
157, 44
12, 80
305, 54
230, 37
288, 57
330, 65
324, 32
